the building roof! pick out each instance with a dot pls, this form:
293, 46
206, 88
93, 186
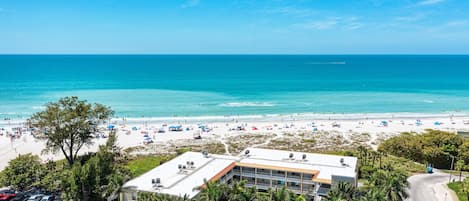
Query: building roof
180, 183
326, 165
175, 182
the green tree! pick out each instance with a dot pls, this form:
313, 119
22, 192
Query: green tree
239, 192
282, 194
393, 183
213, 191
465, 187
431, 147
460, 164
373, 194
23, 172
52, 179
97, 178
67, 125
342, 191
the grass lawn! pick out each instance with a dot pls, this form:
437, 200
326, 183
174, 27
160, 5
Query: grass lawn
142, 164
456, 187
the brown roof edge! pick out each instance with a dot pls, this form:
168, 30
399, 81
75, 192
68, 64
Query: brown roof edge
221, 173
324, 181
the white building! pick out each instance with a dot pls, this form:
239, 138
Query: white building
304, 173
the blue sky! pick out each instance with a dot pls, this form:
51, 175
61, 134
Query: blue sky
234, 26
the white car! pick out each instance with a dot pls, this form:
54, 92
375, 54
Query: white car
147, 140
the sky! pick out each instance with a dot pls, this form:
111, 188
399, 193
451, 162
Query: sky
234, 27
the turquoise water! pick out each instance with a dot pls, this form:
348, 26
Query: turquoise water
193, 86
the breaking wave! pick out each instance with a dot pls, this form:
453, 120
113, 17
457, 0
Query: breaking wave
247, 104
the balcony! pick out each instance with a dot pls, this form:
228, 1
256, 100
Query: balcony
263, 173
323, 191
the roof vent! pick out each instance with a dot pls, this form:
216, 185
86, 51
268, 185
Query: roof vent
190, 164
205, 153
304, 157
156, 183
342, 162
246, 153
291, 156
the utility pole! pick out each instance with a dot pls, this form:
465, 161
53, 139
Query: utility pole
451, 169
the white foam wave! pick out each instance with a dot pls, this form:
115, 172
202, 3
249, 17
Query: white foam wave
428, 101
247, 104
39, 107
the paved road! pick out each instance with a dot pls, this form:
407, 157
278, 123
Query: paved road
429, 187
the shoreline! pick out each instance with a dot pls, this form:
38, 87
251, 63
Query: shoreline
268, 117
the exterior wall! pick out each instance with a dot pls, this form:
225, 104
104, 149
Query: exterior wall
265, 179
336, 179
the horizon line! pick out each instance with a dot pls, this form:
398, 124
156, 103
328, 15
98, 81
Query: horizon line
233, 54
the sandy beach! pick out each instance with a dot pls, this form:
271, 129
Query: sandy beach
367, 131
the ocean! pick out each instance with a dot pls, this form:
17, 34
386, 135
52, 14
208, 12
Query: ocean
225, 86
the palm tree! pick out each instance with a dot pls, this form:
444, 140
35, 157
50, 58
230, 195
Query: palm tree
393, 183
213, 191
374, 194
460, 166
342, 191
361, 153
380, 157
238, 192
281, 194
374, 156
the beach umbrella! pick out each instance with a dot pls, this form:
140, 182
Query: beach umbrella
110, 127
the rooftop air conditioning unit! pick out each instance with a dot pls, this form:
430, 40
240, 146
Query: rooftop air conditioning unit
342, 162
156, 183
180, 167
205, 153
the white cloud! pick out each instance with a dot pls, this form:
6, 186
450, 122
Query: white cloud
354, 25
319, 24
291, 10
190, 3
429, 2
413, 18
457, 23
350, 23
